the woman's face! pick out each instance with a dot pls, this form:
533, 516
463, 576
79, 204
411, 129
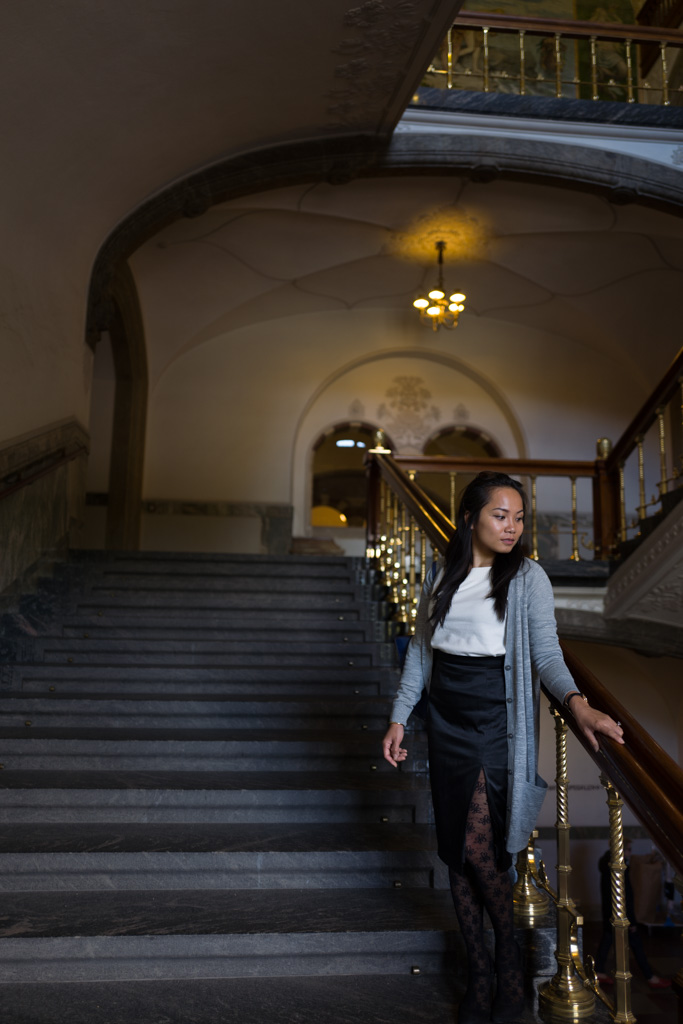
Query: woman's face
498, 527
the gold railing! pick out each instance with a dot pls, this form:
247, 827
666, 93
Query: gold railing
409, 530
561, 58
630, 483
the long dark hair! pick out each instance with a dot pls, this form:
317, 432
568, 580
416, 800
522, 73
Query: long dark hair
458, 557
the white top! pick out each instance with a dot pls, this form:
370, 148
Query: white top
471, 626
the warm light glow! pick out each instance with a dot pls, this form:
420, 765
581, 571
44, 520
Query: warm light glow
434, 310
458, 297
436, 294
420, 303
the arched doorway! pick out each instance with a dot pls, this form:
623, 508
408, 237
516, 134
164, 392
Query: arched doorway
339, 490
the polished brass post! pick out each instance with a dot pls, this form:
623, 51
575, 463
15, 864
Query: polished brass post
382, 546
663, 485
412, 577
522, 68
449, 65
665, 76
451, 477
396, 555
594, 68
486, 58
529, 902
642, 508
423, 558
403, 593
558, 65
629, 72
534, 521
622, 1011
575, 556
565, 996
622, 504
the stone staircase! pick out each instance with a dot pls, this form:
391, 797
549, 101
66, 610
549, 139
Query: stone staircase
197, 824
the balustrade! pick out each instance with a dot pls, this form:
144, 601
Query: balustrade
560, 58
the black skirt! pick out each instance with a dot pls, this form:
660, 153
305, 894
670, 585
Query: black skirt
467, 731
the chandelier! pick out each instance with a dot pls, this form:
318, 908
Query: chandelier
436, 310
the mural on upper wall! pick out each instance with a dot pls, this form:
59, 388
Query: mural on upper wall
540, 59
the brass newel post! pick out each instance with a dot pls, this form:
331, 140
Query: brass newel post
528, 901
564, 997
623, 1013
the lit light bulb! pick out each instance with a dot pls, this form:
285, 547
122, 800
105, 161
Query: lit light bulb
434, 310
458, 297
420, 303
436, 294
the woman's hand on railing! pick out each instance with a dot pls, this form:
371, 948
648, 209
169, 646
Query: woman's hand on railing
391, 744
591, 722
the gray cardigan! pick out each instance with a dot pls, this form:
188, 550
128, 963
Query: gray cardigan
532, 654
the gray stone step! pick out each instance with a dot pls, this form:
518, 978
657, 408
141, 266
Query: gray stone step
108, 600
64, 857
229, 797
105, 935
346, 999
278, 629
195, 750
244, 678
18, 709
181, 652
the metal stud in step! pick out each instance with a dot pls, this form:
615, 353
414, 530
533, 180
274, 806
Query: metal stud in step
373, 767
100, 614
340, 618
1, 766
69, 661
356, 691
28, 723
350, 662
398, 885
51, 689
384, 819
363, 726
414, 970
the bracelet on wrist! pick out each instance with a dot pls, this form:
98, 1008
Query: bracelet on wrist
575, 693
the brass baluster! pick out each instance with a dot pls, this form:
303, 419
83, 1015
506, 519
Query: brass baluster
620, 922
486, 58
529, 902
382, 526
594, 68
412, 576
404, 598
534, 521
451, 476
642, 508
388, 572
665, 76
449, 65
522, 68
423, 558
396, 560
575, 556
558, 65
629, 72
565, 995
663, 485
622, 504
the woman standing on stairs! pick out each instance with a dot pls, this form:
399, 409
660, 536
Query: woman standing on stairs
485, 634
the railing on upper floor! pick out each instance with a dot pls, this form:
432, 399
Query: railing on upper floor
560, 58
648, 455
640, 773
661, 13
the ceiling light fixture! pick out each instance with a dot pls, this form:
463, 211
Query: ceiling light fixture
436, 310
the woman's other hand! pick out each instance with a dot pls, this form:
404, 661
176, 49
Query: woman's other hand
591, 722
391, 745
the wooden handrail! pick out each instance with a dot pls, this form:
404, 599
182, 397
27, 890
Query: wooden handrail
27, 475
520, 467
568, 28
645, 417
647, 779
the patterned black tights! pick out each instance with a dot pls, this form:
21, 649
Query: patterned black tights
482, 885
